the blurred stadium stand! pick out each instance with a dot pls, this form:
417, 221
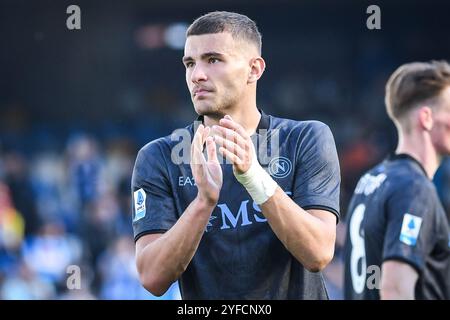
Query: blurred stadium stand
75, 106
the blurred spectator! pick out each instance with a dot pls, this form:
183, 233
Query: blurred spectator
84, 162
12, 224
17, 177
23, 284
119, 274
355, 158
51, 251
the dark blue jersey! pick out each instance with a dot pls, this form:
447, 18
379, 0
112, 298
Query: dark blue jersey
395, 214
239, 256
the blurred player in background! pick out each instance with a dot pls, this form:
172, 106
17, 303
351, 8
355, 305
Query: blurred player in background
396, 223
236, 231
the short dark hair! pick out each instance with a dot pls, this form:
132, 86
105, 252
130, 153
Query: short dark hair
239, 25
413, 84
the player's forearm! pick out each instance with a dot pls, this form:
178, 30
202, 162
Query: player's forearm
398, 281
397, 292
164, 260
308, 238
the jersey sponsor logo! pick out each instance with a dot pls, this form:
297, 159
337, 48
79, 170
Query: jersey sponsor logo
139, 204
410, 229
280, 167
368, 183
229, 220
186, 181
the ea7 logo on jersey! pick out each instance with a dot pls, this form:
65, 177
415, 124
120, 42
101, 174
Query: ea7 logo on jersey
410, 229
139, 204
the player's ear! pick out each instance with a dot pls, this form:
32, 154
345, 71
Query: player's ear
426, 118
257, 67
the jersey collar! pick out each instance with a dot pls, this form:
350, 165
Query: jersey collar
400, 156
264, 121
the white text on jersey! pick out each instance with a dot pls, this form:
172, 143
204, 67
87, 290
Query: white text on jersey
368, 183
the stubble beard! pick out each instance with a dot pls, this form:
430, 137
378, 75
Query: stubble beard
215, 109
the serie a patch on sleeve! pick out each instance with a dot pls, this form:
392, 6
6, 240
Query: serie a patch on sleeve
139, 204
410, 229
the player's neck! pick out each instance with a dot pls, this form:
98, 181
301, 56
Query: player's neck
248, 117
420, 147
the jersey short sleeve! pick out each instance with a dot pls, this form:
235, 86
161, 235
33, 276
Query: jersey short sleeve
317, 177
152, 201
410, 224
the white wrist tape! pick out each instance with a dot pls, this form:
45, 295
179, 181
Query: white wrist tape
258, 182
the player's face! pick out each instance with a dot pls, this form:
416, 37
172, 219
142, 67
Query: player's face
440, 133
216, 72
